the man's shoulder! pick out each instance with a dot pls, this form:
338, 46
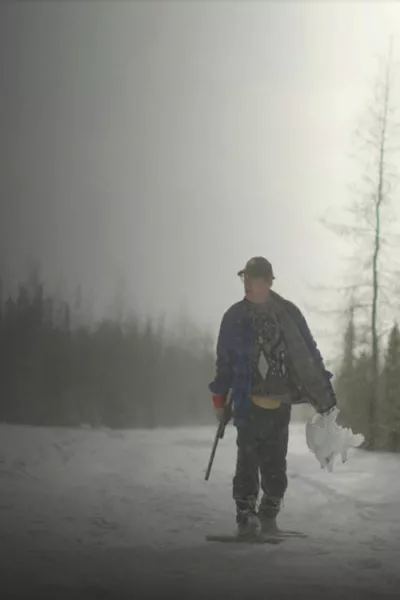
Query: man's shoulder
234, 311
287, 304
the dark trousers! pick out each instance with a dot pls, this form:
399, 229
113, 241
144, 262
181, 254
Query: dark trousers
262, 444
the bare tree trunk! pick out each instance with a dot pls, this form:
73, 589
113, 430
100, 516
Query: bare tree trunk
376, 133
374, 401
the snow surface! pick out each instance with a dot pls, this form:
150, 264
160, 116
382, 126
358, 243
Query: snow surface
105, 514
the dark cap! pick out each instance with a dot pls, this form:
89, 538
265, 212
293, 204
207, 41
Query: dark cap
258, 266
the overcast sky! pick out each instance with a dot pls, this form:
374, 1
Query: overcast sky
169, 142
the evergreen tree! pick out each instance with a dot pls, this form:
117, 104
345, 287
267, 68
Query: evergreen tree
389, 422
344, 383
361, 390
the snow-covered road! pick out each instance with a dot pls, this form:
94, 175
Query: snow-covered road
102, 514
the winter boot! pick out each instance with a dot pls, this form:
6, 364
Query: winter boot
267, 513
248, 523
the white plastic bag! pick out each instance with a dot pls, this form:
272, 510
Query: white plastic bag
326, 439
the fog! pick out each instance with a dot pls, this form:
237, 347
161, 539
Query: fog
147, 151
163, 144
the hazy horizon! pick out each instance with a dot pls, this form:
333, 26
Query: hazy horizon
165, 143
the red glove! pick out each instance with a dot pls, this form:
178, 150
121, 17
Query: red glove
219, 401
222, 411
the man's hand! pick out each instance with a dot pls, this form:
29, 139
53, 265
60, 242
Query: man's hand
222, 410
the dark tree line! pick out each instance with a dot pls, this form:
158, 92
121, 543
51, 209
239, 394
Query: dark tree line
119, 372
355, 388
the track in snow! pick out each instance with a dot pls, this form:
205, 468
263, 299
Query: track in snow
100, 514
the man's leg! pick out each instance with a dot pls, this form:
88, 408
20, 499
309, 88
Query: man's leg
272, 451
246, 480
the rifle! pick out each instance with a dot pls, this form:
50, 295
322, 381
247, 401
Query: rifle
219, 435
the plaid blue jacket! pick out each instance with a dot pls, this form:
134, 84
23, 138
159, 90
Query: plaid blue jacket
235, 353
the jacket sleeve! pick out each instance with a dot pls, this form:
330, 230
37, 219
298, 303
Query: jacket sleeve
224, 372
311, 343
